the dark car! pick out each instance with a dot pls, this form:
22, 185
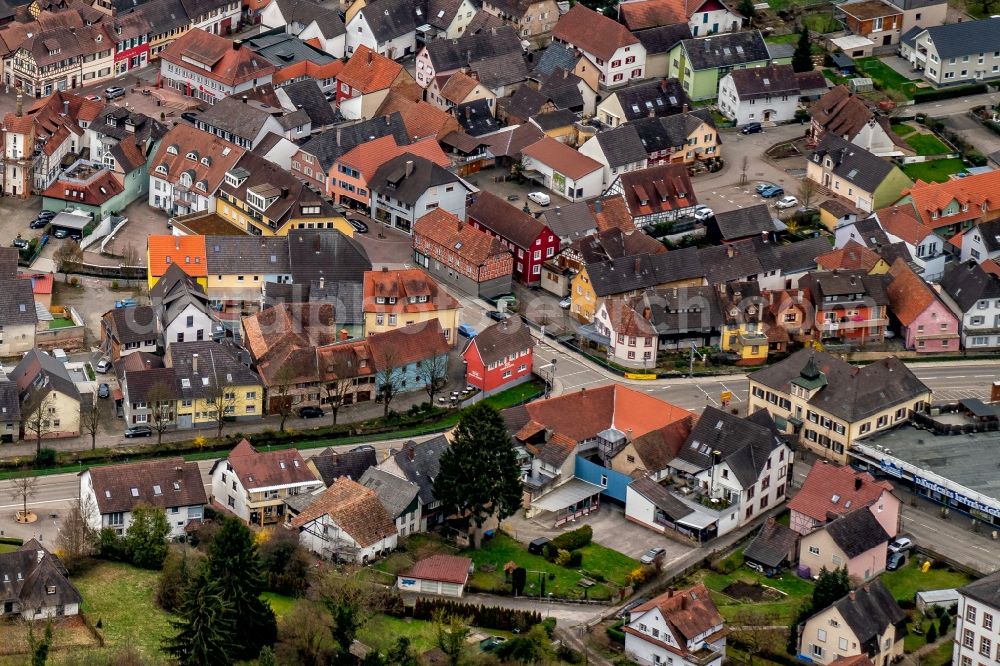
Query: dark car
771, 192
103, 391
537, 547
39, 223
19, 243
751, 128
358, 225
496, 315
189, 116
895, 561
139, 431
310, 412
60, 233
76, 235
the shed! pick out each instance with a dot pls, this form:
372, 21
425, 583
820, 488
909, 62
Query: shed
444, 575
861, 84
773, 548
843, 63
855, 46
934, 598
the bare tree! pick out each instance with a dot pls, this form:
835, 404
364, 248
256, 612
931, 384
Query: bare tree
754, 629
90, 421
68, 257
280, 399
336, 393
38, 421
807, 191
130, 256
221, 401
161, 404
389, 376
77, 539
23, 488
433, 372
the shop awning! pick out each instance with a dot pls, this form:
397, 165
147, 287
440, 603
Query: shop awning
570, 493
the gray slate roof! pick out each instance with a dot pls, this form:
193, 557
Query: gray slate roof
330, 145
501, 340
452, 54
745, 222
985, 590
389, 19
421, 464
10, 402
231, 114
661, 498
664, 98
394, 493
218, 365
682, 310
663, 38
17, 302
966, 38
476, 118
745, 444
773, 545
852, 163
632, 273
966, 283
332, 465
392, 180
305, 11
326, 254
726, 50
555, 55
621, 146
869, 611
857, 532
308, 95
570, 221
27, 573
247, 254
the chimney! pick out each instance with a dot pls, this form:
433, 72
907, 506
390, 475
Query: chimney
637, 265
322, 282
651, 113
177, 243
647, 313
237, 44
851, 595
344, 335
468, 112
857, 483
663, 85
409, 452
370, 57
385, 269
461, 223
598, 205
684, 108
338, 136
20, 104
194, 363
995, 392
284, 192
409, 167
764, 237
730, 252
244, 99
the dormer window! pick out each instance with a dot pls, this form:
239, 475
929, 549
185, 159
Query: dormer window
207, 161
172, 149
161, 169
192, 156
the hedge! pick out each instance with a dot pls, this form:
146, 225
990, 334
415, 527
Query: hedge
487, 617
573, 539
949, 93
12, 541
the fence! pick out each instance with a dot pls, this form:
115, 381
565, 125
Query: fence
110, 272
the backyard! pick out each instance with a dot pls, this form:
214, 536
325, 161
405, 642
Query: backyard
821, 22
885, 77
933, 171
904, 583
926, 144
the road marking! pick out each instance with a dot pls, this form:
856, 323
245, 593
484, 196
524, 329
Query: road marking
735, 393
20, 505
708, 395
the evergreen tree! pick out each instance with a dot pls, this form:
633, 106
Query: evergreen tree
205, 630
479, 474
802, 57
40, 648
266, 657
944, 624
146, 537
234, 565
932, 634
830, 586
747, 9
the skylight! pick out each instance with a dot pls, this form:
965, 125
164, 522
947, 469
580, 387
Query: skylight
135, 492
157, 490
835, 499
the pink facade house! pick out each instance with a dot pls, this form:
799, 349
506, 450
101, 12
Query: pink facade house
855, 540
928, 325
831, 491
348, 179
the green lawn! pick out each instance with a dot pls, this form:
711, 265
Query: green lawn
280, 604
941, 656
927, 144
885, 77
933, 171
8, 547
61, 322
906, 582
903, 130
834, 78
381, 633
121, 597
793, 39
821, 22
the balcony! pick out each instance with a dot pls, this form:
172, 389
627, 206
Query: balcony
853, 323
750, 339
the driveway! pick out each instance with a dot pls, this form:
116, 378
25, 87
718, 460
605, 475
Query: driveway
611, 530
983, 139
901, 67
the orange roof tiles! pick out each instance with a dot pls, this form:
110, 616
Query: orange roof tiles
826, 481
643, 14
309, 69
222, 59
183, 139
355, 509
446, 230
908, 294
972, 193
96, 192
368, 71
852, 256
991, 266
405, 290
266, 469
368, 157
592, 32
561, 157
420, 118
188, 252
458, 87
902, 222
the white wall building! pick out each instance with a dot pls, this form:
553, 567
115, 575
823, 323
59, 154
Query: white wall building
695, 638
977, 624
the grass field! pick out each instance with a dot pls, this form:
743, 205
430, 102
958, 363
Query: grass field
821, 22
8, 547
61, 322
885, 77
280, 604
926, 144
902, 130
906, 582
934, 171
122, 598
381, 633
793, 39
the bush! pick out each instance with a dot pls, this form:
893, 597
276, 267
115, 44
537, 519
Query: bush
615, 632
728, 564
573, 539
562, 557
575, 559
944, 623
568, 655
949, 93
931, 633
110, 546
487, 617
45, 458
12, 541
976, 158
549, 624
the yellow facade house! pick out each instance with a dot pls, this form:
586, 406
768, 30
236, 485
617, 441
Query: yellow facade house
394, 299
211, 377
743, 329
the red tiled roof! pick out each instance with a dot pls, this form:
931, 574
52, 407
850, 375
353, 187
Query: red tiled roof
643, 14
268, 469
594, 33
826, 481
368, 71
561, 157
402, 285
852, 256
369, 156
689, 612
448, 231
902, 222
971, 193
443, 568
354, 508
991, 266
908, 294
226, 61
188, 252
97, 192
410, 344
657, 189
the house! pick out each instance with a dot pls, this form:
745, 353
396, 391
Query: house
830, 491
252, 485
661, 98
532, 19
407, 187
407, 297
867, 621
774, 548
703, 17
306, 94
743, 223
743, 335
365, 82
329, 465
10, 410
981, 242
955, 205
500, 356
862, 178
170, 484
131, 33
659, 41
18, 314
209, 67
558, 56
618, 55
420, 464
188, 252
358, 166
648, 457
462, 255
656, 194
181, 308
442, 575
445, 20
851, 306
187, 169
855, 540
167, 20
447, 91
881, 22
943, 52
216, 17
925, 247
307, 22
36, 585
213, 377
399, 497
619, 150
828, 403
346, 522
50, 401
975, 631
89, 188
928, 325
469, 53
684, 625
974, 296
699, 63
125, 331
242, 121
530, 241
562, 170
759, 94
848, 116
853, 257
387, 27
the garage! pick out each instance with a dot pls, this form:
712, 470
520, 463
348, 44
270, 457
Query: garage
440, 575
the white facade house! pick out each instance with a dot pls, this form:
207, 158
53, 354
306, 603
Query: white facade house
379, 33
618, 54
619, 150
563, 170
713, 17
926, 248
307, 20
977, 623
187, 324
408, 187
974, 296
981, 242
695, 638
759, 94
110, 494
956, 53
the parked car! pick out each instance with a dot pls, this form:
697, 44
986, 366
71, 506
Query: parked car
103, 366
566, 303
702, 212
113, 92
103, 391
895, 561
763, 186
772, 191
540, 198
786, 202
496, 315
363, 447
19, 243
94, 98
46, 214
189, 116
76, 235
751, 128
467, 331
39, 223
310, 412
652, 555
125, 303
358, 225
138, 431
537, 547
901, 545
492, 643
60, 233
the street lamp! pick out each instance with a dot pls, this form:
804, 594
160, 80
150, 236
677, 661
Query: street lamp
550, 378
548, 612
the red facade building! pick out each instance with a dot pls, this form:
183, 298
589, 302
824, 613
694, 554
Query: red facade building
131, 35
531, 242
850, 306
500, 356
